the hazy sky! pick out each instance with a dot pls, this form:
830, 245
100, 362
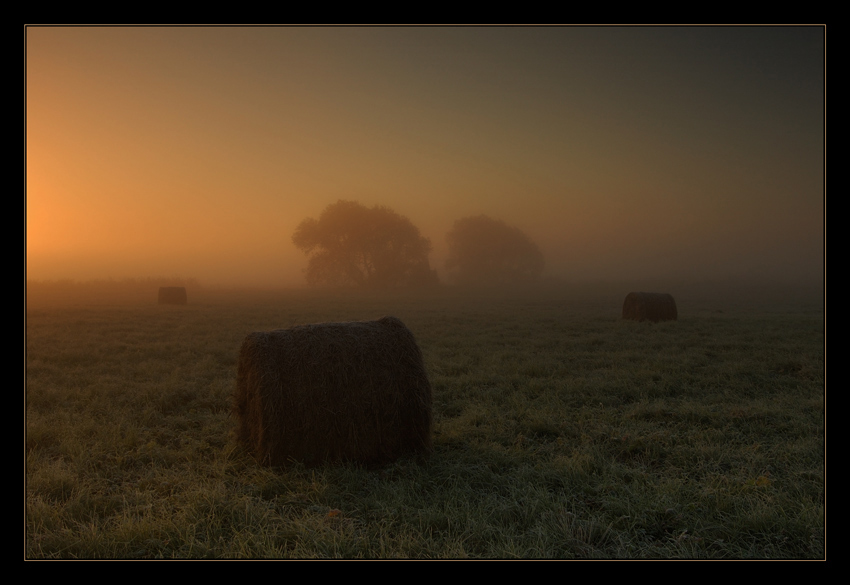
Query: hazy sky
625, 153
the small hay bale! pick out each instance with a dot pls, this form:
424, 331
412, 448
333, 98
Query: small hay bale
172, 295
641, 306
333, 392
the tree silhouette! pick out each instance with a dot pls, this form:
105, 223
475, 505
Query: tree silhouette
352, 245
485, 251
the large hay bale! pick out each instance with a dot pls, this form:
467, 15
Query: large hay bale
172, 295
333, 392
641, 306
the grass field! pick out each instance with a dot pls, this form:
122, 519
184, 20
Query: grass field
560, 431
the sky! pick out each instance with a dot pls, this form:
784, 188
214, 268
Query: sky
674, 153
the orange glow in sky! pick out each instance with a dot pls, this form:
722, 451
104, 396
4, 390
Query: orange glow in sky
693, 152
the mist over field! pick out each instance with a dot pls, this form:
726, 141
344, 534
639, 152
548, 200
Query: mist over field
212, 213
668, 156
559, 429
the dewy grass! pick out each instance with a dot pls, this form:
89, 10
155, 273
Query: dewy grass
560, 431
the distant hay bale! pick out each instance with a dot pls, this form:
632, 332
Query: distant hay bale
333, 392
172, 295
641, 306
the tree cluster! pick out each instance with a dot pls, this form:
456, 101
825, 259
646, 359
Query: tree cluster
485, 251
356, 246
352, 245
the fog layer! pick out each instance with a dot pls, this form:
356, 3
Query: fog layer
622, 153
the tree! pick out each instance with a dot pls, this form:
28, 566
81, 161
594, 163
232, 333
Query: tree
485, 251
352, 245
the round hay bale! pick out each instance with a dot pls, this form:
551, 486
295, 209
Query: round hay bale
641, 306
332, 392
172, 295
